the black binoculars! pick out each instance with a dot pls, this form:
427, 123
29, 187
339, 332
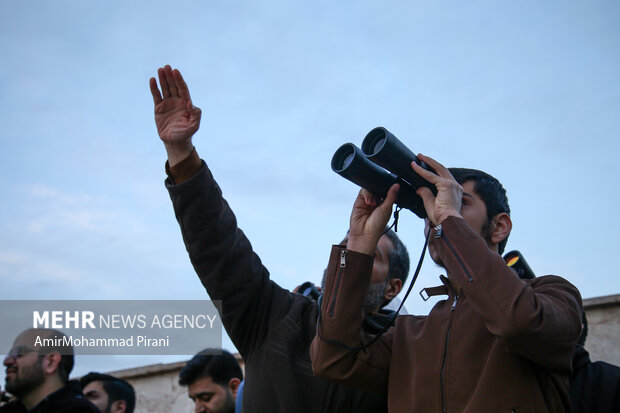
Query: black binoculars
383, 161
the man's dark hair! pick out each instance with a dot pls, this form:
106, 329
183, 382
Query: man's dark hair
67, 359
221, 368
399, 258
115, 388
490, 190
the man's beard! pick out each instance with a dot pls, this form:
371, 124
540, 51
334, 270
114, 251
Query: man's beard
374, 296
229, 405
108, 408
26, 379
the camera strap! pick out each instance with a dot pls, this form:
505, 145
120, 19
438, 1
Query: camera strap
395, 223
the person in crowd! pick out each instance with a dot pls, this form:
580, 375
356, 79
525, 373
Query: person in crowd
594, 386
110, 394
270, 326
212, 378
37, 375
498, 343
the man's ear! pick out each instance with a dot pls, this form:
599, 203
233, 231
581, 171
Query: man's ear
392, 288
119, 406
51, 362
501, 226
233, 385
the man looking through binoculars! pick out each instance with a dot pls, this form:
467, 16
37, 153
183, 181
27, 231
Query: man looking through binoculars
498, 343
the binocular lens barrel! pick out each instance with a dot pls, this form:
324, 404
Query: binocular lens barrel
374, 141
385, 149
350, 163
343, 158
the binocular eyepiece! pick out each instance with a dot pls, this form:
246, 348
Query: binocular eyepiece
383, 161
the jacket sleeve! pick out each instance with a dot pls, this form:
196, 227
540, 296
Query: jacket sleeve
339, 328
224, 260
540, 320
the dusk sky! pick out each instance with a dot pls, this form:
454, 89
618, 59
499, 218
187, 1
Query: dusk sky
528, 91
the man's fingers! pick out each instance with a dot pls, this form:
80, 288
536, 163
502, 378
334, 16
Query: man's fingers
425, 194
155, 91
172, 84
369, 198
428, 175
428, 199
181, 85
392, 195
194, 113
437, 167
163, 82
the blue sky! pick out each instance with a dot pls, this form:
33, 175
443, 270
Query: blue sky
528, 91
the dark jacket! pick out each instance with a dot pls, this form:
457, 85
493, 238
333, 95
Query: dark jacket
68, 399
594, 387
271, 327
497, 344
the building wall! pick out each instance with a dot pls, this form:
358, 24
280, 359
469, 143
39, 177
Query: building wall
603, 342
158, 390
157, 387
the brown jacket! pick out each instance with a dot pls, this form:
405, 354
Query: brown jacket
497, 344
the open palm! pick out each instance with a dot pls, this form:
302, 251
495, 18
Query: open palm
176, 118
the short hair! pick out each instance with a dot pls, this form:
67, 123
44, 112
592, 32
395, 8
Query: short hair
399, 258
61, 346
221, 368
115, 388
490, 190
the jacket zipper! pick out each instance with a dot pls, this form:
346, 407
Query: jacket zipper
440, 234
341, 267
445, 356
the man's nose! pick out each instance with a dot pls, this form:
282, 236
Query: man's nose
8, 361
199, 407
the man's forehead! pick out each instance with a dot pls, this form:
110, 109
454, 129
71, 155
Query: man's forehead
95, 385
28, 338
25, 339
202, 386
203, 382
469, 188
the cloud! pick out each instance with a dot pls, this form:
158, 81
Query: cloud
26, 266
52, 209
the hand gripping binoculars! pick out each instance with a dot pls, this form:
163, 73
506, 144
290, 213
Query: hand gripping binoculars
383, 161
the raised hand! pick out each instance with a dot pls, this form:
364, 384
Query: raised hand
176, 118
449, 192
368, 220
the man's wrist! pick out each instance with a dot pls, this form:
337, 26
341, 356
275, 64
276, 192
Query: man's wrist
447, 214
177, 152
365, 245
184, 169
